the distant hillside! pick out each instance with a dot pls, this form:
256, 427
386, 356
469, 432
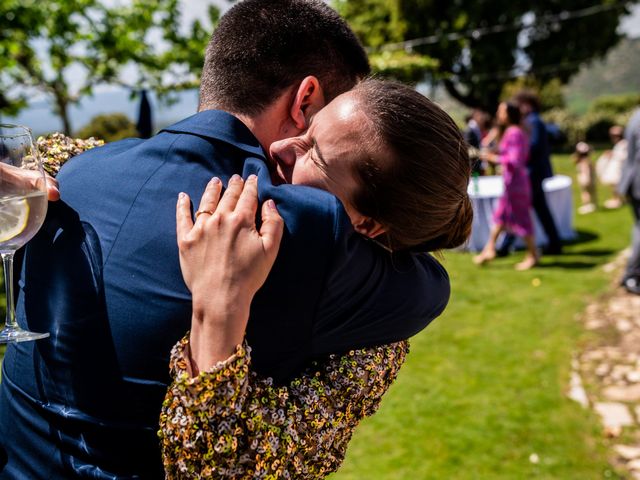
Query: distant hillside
618, 72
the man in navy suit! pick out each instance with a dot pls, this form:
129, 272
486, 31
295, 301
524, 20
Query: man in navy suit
103, 276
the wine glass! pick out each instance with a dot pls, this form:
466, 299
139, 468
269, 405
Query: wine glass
23, 206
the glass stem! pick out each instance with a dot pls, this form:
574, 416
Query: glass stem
7, 263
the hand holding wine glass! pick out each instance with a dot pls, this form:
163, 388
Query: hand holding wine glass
23, 206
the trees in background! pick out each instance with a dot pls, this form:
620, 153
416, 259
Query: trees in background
475, 48
109, 127
134, 44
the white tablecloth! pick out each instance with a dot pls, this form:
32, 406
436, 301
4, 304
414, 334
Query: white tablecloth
488, 190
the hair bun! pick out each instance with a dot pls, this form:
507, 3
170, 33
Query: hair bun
461, 229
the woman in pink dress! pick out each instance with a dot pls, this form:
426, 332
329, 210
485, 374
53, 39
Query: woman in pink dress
513, 213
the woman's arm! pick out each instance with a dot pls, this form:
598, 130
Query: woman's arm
224, 261
229, 423
490, 157
219, 419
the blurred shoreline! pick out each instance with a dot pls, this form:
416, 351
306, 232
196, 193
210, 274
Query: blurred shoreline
40, 118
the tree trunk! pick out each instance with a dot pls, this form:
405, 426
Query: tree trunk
487, 102
468, 100
62, 109
4, 102
66, 122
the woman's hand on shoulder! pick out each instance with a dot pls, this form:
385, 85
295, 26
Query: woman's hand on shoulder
225, 259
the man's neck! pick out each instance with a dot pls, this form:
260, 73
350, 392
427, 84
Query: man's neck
268, 125
254, 124
262, 127
250, 122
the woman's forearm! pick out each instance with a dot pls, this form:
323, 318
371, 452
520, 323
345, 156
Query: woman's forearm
216, 331
224, 260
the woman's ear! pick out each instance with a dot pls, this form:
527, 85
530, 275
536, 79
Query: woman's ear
307, 101
368, 227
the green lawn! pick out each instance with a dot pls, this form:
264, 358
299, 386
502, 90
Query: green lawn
483, 388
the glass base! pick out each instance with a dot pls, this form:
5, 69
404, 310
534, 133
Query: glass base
17, 334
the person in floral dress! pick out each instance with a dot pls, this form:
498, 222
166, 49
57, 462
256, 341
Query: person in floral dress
513, 212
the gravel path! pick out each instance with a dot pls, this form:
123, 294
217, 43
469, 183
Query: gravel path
606, 375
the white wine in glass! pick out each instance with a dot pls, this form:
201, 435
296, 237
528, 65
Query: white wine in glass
23, 206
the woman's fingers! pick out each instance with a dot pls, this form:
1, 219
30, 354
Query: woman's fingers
271, 229
53, 191
248, 201
184, 222
210, 198
231, 195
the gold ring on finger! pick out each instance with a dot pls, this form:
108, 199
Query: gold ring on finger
200, 212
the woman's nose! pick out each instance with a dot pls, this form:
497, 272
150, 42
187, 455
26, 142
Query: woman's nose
283, 153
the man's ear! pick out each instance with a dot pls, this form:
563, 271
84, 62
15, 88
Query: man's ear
307, 101
368, 227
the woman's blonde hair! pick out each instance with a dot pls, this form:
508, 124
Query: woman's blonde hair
418, 191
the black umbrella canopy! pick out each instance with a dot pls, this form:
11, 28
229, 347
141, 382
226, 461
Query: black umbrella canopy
145, 120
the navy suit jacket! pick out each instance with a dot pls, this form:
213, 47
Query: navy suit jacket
103, 277
540, 150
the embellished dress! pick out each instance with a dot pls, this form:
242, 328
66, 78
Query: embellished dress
513, 211
228, 423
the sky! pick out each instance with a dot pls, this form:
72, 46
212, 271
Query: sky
631, 24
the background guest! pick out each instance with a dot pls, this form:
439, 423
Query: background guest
513, 211
489, 144
630, 186
586, 177
609, 165
473, 136
539, 168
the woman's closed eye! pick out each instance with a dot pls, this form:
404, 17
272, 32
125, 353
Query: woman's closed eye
316, 157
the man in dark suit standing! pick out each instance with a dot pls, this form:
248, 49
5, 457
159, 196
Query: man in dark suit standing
539, 168
630, 187
103, 276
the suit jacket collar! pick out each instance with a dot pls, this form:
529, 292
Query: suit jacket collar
219, 125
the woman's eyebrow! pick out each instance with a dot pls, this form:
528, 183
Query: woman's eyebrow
317, 151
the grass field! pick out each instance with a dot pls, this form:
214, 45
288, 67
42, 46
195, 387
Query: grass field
483, 388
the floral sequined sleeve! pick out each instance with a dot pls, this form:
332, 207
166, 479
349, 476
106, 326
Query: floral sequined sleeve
228, 423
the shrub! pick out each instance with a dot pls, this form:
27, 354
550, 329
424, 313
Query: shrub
591, 127
109, 127
596, 126
567, 122
615, 104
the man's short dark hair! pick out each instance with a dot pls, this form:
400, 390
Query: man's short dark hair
262, 47
527, 97
513, 113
